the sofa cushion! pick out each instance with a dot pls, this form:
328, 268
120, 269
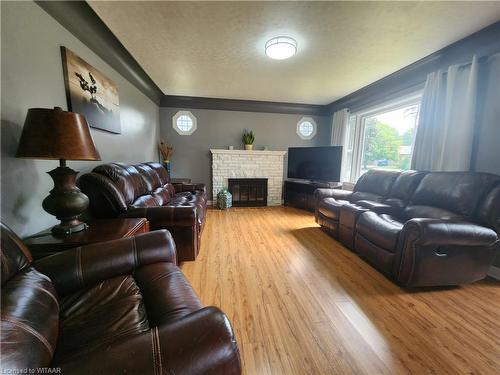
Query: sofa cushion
151, 178
382, 230
403, 188
162, 172
488, 212
29, 321
126, 179
168, 296
92, 317
162, 196
459, 192
376, 181
413, 212
365, 196
330, 207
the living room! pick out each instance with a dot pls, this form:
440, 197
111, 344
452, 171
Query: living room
250, 187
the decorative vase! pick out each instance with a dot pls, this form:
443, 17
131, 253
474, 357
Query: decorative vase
166, 165
248, 147
224, 199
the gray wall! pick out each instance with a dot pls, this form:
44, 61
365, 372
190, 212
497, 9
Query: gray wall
220, 129
32, 76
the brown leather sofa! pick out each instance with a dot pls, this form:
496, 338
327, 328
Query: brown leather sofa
109, 308
144, 190
423, 228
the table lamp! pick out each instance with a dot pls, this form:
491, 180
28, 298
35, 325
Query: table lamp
56, 134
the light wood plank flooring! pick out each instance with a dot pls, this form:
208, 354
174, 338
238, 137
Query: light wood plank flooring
300, 303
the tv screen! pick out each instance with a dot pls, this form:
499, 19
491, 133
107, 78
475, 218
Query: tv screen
315, 163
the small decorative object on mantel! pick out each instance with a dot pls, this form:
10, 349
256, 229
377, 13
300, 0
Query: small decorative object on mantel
55, 134
166, 152
248, 138
224, 199
91, 93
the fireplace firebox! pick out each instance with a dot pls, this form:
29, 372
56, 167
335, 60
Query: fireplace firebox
248, 192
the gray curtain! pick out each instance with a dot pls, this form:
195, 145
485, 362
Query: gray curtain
446, 122
339, 125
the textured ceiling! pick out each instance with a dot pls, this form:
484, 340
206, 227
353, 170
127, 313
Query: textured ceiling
216, 49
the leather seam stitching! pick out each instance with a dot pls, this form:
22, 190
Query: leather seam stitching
158, 348
153, 351
136, 261
79, 266
49, 293
31, 330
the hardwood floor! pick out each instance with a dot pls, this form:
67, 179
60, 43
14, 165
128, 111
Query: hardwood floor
300, 303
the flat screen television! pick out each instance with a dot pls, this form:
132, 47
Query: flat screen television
315, 163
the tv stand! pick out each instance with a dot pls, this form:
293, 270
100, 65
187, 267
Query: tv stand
300, 193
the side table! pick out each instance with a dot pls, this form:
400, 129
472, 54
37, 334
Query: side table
45, 243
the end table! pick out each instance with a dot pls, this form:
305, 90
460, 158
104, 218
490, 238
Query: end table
45, 243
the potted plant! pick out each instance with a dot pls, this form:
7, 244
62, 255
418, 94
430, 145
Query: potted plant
248, 138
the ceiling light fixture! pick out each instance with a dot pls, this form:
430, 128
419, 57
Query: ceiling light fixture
281, 47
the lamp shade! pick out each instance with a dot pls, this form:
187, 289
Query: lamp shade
56, 134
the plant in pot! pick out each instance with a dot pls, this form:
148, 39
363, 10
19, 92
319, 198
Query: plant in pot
248, 138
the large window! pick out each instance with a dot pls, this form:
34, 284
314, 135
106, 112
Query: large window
381, 137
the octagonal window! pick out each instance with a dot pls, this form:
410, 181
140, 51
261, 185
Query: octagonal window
184, 122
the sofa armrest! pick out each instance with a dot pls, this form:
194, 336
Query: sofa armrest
322, 193
379, 208
80, 267
427, 231
435, 252
193, 187
166, 216
199, 343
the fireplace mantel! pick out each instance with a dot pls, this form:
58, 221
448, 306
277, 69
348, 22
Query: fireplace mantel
247, 152
249, 164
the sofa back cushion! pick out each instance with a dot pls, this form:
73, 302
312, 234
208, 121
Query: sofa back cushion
151, 178
403, 188
488, 212
162, 172
126, 179
15, 256
374, 185
29, 309
452, 194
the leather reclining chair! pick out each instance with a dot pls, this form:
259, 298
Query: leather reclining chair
144, 190
109, 308
431, 229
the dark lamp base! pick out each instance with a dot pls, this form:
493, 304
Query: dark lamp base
65, 201
66, 229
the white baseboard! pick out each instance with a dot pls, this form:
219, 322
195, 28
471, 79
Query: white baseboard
494, 272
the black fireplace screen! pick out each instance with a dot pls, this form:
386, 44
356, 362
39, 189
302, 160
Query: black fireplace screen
248, 192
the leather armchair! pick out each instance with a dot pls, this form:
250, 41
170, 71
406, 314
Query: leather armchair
144, 190
116, 307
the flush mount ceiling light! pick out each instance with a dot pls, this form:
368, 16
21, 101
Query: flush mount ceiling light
281, 48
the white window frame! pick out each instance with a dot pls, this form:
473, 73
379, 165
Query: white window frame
188, 114
359, 132
313, 123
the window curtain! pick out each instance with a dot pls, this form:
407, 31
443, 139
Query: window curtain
339, 126
445, 129
339, 135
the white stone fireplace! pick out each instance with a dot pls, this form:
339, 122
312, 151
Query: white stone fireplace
249, 164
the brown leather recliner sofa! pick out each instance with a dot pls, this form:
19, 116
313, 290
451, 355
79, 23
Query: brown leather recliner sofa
109, 308
144, 190
419, 228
